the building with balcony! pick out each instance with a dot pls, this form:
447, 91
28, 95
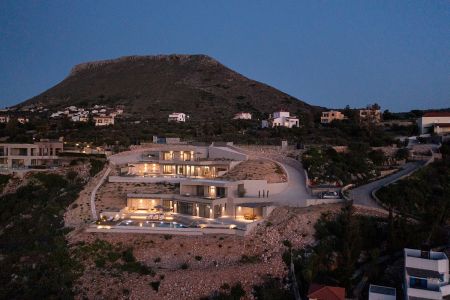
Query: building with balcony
103, 120
281, 119
38, 155
177, 117
185, 161
329, 116
426, 274
369, 115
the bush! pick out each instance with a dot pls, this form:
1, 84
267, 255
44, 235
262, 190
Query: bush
249, 259
184, 266
155, 285
198, 258
96, 166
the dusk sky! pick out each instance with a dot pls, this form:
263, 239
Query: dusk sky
328, 53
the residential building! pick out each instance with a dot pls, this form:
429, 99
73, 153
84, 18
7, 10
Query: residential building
325, 292
434, 122
378, 292
22, 120
281, 119
369, 115
39, 154
182, 161
4, 119
103, 120
177, 117
330, 116
242, 116
426, 274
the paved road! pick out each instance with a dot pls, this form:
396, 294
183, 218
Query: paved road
296, 193
362, 195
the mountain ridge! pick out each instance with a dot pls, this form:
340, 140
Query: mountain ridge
151, 86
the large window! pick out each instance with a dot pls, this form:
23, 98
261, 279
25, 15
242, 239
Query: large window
204, 211
185, 208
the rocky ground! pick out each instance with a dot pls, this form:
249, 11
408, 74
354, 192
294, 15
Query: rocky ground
255, 169
211, 260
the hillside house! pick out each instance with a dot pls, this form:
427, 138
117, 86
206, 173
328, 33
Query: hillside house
177, 117
369, 115
329, 116
103, 120
40, 154
426, 274
434, 122
281, 119
4, 119
242, 116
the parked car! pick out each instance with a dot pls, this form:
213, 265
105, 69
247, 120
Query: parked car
330, 195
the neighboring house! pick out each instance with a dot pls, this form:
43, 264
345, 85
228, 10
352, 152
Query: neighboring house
369, 115
426, 274
177, 117
39, 154
330, 116
281, 119
22, 120
325, 292
437, 122
242, 116
378, 292
166, 140
103, 120
4, 119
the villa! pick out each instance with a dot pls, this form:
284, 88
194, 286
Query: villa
177, 117
40, 154
426, 274
434, 122
103, 120
188, 161
242, 116
281, 119
330, 116
369, 115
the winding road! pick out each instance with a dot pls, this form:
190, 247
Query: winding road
362, 195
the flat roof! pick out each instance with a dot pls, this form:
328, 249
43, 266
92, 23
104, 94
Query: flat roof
379, 289
254, 204
420, 273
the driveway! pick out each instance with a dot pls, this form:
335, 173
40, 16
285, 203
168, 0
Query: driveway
362, 195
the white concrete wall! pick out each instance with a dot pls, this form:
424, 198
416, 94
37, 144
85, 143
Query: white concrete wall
226, 153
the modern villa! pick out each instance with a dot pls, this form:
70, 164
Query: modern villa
201, 194
21, 156
182, 161
281, 119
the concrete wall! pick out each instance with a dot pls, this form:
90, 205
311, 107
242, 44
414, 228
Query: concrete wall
310, 202
226, 153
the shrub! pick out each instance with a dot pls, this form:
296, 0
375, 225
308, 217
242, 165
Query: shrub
128, 255
167, 237
157, 260
248, 259
155, 285
96, 166
287, 243
184, 266
198, 258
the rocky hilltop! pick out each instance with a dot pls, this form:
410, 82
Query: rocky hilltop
153, 86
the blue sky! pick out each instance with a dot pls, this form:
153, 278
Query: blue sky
329, 53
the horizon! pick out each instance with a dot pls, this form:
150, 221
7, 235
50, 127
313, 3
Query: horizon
394, 54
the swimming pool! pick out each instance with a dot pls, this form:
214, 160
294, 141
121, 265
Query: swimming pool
151, 224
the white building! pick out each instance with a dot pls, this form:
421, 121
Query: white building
242, 116
434, 122
4, 119
378, 292
104, 120
177, 117
426, 274
281, 118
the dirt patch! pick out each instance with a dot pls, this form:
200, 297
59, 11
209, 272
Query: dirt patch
257, 169
192, 267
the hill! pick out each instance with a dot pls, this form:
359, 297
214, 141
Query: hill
153, 86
